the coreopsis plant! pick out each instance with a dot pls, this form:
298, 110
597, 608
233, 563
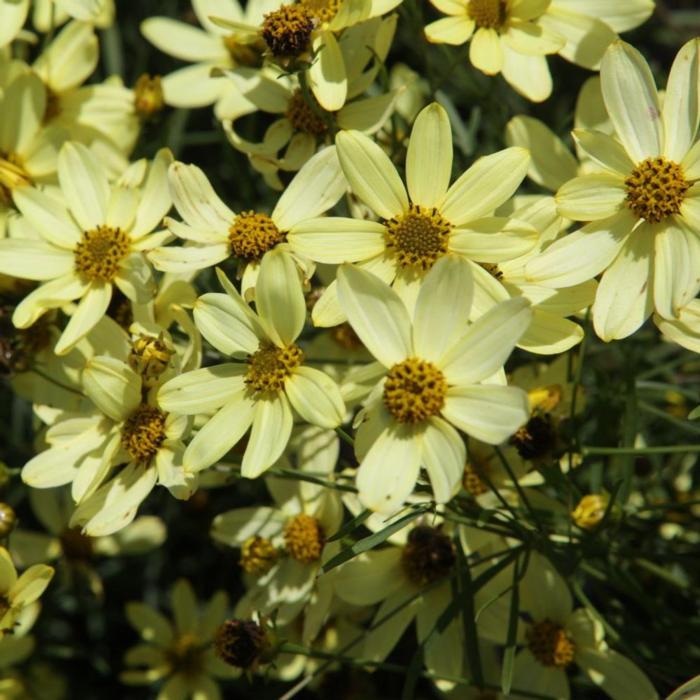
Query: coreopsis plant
439, 379
513, 37
642, 202
260, 392
90, 240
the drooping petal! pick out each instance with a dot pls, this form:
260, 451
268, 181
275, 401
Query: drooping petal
676, 269
443, 454
112, 386
327, 77
84, 184
625, 297
487, 412
315, 397
228, 323
272, 426
91, 309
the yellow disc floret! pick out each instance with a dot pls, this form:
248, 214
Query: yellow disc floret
258, 555
487, 14
303, 117
251, 235
419, 237
99, 253
269, 366
287, 31
414, 390
150, 357
550, 644
322, 10
656, 189
304, 538
143, 433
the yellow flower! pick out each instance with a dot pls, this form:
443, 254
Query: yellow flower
513, 37
431, 220
261, 391
643, 201
441, 374
180, 652
87, 245
17, 593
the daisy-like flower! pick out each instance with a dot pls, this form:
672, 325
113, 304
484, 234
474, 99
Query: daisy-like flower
435, 367
283, 546
17, 593
685, 329
643, 203
216, 233
209, 48
88, 246
513, 37
304, 32
417, 232
125, 426
554, 637
261, 391
294, 136
421, 556
181, 653
28, 150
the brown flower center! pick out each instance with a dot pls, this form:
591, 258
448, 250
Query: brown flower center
493, 270
428, 555
287, 31
258, 555
269, 366
99, 253
487, 14
550, 644
303, 117
251, 235
419, 237
304, 538
414, 390
656, 189
143, 433
241, 643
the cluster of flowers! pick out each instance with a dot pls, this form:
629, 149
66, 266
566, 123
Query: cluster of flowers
355, 361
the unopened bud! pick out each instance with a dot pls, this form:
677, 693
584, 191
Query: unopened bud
590, 510
242, 643
8, 519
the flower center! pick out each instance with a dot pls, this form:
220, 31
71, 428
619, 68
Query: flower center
303, 117
251, 235
537, 438
12, 175
150, 357
269, 366
472, 481
148, 95
414, 390
418, 237
75, 545
99, 252
243, 53
304, 538
550, 644
428, 555
322, 10
287, 31
143, 433
241, 643
258, 555
185, 655
656, 189
489, 14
